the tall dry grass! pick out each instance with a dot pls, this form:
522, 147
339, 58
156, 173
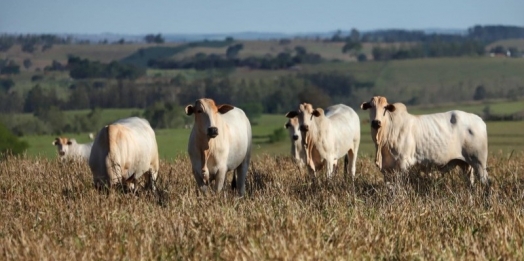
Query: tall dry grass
50, 211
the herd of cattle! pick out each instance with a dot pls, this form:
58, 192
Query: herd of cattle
220, 141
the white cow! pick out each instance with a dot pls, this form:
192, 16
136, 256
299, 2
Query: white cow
123, 152
220, 141
329, 137
297, 149
69, 149
443, 140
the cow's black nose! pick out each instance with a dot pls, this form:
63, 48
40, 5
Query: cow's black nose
295, 137
212, 132
375, 124
304, 128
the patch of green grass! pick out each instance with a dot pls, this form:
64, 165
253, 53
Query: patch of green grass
142, 56
108, 115
502, 136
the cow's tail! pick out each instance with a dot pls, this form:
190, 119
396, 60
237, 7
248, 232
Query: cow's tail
112, 161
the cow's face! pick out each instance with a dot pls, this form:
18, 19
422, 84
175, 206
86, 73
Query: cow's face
62, 145
377, 106
305, 116
206, 112
292, 127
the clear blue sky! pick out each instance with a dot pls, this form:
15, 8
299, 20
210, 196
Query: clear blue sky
229, 16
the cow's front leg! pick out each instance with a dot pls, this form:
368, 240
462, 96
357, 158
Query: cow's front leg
220, 178
331, 165
201, 186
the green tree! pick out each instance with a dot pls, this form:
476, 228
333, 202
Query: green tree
362, 57
315, 96
179, 80
28, 47
300, 50
152, 38
253, 111
27, 63
233, 50
278, 135
480, 93
163, 115
79, 98
352, 47
53, 117
87, 123
11, 102
6, 85
354, 35
38, 99
9, 143
337, 37
10, 68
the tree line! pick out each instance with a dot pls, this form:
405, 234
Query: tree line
29, 42
163, 100
484, 34
431, 49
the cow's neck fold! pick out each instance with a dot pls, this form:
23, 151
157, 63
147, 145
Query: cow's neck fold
209, 145
313, 135
385, 138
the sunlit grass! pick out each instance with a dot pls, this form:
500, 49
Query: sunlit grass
52, 211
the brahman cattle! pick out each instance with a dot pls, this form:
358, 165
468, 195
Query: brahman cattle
123, 152
297, 150
328, 136
220, 141
444, 140
69, 149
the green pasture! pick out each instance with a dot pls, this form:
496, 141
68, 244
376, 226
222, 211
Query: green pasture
439, 76
503, 137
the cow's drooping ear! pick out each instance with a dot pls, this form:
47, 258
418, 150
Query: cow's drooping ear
71, 141
390, 107
292, 114
365, 105
55, 142
318, 112
287, 125
224, 108
189, 109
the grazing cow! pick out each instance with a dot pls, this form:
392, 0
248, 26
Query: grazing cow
297, 150
220, 141
443, 140
124, 151
70, 149
329, 136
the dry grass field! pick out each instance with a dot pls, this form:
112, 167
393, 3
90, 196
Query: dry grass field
50, 211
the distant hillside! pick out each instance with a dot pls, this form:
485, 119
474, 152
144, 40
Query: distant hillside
143, 55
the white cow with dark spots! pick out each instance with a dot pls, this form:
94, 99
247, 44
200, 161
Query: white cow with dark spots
444, 140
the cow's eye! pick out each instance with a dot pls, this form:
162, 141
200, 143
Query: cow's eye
199, 111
